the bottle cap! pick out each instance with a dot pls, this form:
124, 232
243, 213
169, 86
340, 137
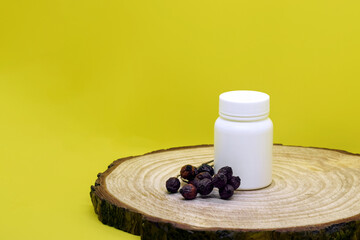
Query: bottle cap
244, 104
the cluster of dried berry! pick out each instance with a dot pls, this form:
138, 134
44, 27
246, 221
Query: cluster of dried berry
202, 180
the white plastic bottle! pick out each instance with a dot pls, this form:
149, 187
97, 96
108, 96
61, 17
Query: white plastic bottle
244, 137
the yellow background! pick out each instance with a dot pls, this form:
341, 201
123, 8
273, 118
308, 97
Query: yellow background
85, 82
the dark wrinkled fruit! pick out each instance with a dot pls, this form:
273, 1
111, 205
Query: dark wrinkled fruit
219, 180
199, 177
205, 186
206, 168
188, 191
188, 172
173, 184
226, 192
203, 175
227, 171
194, 182
234, 182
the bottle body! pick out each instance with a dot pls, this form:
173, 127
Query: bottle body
246, 146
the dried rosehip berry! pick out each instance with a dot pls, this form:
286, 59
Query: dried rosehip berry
219, 180
203, 175
194, 182
226, 192
235, 182
188, 172
205, 186
227, 171
200, 177
173, 184
206, 168
188, 191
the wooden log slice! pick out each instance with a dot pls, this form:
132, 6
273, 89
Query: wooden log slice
315, 194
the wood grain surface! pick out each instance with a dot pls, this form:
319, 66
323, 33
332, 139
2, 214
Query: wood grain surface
315, 194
